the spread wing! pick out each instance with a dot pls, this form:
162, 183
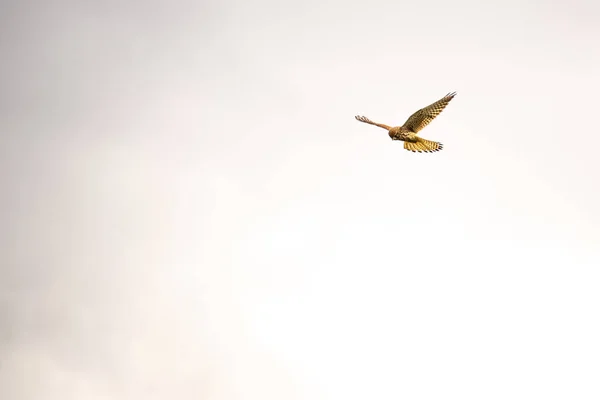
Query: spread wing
424, 116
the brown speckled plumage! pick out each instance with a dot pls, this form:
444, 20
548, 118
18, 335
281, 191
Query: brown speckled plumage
419, 120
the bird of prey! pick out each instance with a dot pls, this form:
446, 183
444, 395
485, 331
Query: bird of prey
419, 120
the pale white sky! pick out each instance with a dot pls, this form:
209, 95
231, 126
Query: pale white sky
191, 211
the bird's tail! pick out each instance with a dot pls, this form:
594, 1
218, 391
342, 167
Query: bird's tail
423, 145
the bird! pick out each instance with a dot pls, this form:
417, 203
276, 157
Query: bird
417, 121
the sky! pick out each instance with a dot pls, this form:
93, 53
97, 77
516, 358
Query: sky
191, 211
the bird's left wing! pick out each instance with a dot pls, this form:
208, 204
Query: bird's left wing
424, 116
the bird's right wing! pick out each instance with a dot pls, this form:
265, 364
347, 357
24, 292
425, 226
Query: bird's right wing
424, 116
368, 121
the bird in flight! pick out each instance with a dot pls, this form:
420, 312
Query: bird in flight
419, 120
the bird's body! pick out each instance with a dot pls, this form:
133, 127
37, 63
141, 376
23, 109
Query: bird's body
417, 121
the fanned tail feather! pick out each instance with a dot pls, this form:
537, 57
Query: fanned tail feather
423, 146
